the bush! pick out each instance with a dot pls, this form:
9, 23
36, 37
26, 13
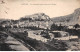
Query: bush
76, 26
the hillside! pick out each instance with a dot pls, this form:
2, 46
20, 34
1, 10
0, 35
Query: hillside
40, 20
36, 17
70, 19
43, 20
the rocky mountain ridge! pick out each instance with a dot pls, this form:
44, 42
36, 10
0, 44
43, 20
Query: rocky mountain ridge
69, 19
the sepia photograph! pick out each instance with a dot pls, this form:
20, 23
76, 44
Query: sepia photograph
39, 25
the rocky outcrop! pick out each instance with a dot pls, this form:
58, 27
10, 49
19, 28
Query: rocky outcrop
36, 17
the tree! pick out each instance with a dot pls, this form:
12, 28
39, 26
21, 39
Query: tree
60, 28
76, 26
53, 27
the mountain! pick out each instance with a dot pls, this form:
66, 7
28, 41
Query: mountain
43, 21
36, 17
40, 20
70, 19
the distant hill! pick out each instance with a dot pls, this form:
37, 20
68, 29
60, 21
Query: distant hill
36, 17
70, 19
38, 20
43, 20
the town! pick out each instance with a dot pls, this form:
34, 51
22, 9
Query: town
38, 32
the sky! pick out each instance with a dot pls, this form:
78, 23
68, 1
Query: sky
15, 9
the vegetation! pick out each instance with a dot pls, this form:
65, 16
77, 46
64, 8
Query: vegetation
4, 46
76, 26
56, 27
58, 44
2, 28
